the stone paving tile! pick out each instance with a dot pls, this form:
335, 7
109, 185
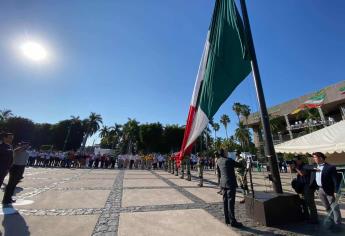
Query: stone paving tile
143, 182
171, 223
69, 199
18, 225
88, 183
147, 197
209, 195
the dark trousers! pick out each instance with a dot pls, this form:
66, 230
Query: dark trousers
3, 173
309, 207
16, 173
229, 205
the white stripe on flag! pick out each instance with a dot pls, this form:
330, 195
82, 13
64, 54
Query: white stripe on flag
313, 101
199, 124
201, 72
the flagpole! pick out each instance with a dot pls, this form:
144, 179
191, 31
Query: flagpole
269, 147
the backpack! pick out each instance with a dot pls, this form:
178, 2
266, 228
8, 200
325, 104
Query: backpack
297, 185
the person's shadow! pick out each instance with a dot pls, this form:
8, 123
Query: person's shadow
13, 223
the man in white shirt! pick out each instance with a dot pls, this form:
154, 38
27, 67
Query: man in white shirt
325, 176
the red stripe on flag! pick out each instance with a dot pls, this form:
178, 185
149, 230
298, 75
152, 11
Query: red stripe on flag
187, 130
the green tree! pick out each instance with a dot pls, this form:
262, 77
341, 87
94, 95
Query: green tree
22, 128
245, 112
151, 137
130, 136
173, 136
242, 135
104, 132
5, 114
92, 126
215, 127
225, 120
237, 108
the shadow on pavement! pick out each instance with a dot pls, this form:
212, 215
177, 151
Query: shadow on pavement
14, 224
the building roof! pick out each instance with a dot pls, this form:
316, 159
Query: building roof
334, 96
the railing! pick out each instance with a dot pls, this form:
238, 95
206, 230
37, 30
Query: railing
310, 123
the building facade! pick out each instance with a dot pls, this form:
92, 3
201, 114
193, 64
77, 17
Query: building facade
301, 115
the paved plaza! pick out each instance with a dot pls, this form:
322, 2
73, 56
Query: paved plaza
130, 202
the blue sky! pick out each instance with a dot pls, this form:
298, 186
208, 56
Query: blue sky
139, 59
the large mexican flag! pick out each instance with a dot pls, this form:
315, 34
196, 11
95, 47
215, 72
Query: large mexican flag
223, 66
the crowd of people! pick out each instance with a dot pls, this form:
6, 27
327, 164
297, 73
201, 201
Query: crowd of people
231, 169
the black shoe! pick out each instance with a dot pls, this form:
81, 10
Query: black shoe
236, 224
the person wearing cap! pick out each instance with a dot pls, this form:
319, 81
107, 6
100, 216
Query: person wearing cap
228, 183
6, 155
20, 159
325, 176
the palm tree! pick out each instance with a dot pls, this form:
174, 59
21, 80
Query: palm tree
242, 135
237, 109
225, 120
131, 134
245, 112
115, 135
74, 120
93, 125
104, 132
215, 127
5, 114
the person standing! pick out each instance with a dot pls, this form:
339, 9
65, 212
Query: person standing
325, 176
200, 166
303, 177
6, 155
20, 158
241, 175
228, 183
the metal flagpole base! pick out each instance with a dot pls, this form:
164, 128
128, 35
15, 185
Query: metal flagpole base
272, 209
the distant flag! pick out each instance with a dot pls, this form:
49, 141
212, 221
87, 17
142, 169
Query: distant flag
313, 102
223, 66
342, 90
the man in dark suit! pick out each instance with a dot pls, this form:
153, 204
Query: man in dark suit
228, 183
325, 176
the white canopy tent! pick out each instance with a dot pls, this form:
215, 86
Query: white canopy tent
328, 140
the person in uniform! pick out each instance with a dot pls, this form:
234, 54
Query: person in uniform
241, 175
228, 183
6, 155
200, 166
20, 159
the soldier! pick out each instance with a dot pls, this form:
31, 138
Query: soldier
200, 164
189, 176
241, 174
6, 155
183, 165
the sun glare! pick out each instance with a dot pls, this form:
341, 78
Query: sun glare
34, 51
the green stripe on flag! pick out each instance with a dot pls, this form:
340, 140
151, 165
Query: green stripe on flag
226, 66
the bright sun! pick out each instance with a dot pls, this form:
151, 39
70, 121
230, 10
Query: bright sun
34, 51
